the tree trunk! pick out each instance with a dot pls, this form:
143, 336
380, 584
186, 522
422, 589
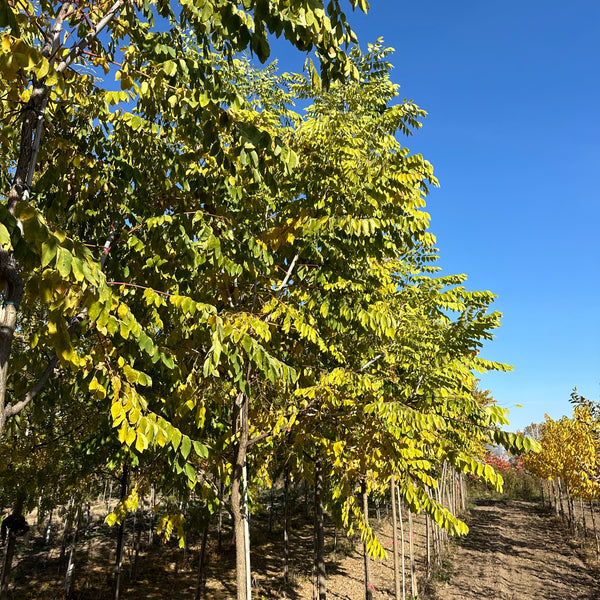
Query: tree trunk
395, 537
413, 571
201, 566
241, 426
320, 530
220, 520
402, 561
554, 486
365, 503
151, 519
271, 507
571, 509
65, 536
7, 564
427, 546
9, 550
48, 528
306, 498
286, 550
71, 562
542, 492
121, 536
583, 521
247, 531
563, 515
595, 530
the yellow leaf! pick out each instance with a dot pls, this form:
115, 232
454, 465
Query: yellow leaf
130, 437
141, 443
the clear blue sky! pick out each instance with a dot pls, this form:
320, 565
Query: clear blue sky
513, 95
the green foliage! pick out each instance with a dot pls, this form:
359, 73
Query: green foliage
191, 241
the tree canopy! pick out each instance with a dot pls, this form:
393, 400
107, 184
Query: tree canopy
202, 277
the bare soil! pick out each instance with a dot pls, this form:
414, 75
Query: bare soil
516, 550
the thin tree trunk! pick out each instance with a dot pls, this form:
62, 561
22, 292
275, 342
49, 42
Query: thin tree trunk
220, 520
48, 528
306, 498
201, 566
403, 565
571, 509
271, 507
121, 536
320, 530
554, 492
71, 562
9, 551
65, 536
395, 537
286, 550
560, 498
542, 492
7, 564
413, 571
247, 531
595, 530
240, 423
151, 519
138, 537
427, 546
365, 503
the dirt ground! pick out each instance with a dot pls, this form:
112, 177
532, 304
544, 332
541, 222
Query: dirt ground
516, 550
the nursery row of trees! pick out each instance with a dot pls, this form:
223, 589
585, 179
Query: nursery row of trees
568, 463
205, 288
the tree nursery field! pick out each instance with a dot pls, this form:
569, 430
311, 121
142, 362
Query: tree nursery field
230, 365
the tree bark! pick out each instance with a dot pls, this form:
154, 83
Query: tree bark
583, 521
365, 503
65, 536
9, 551
71, 563
241, 426
220, 520
595, 530
201, 566
320, 530
413, 570
402, 560
120, 537
286, 550
395, 538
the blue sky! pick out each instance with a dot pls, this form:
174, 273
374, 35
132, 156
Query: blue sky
513, 95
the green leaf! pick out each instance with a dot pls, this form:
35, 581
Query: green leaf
175, 437
186, 446
64, 260
190, 472
200, 449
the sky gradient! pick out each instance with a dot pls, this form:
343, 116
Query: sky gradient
513, 95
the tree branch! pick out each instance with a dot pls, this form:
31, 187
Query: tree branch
288, 274
38, 386
90, 37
